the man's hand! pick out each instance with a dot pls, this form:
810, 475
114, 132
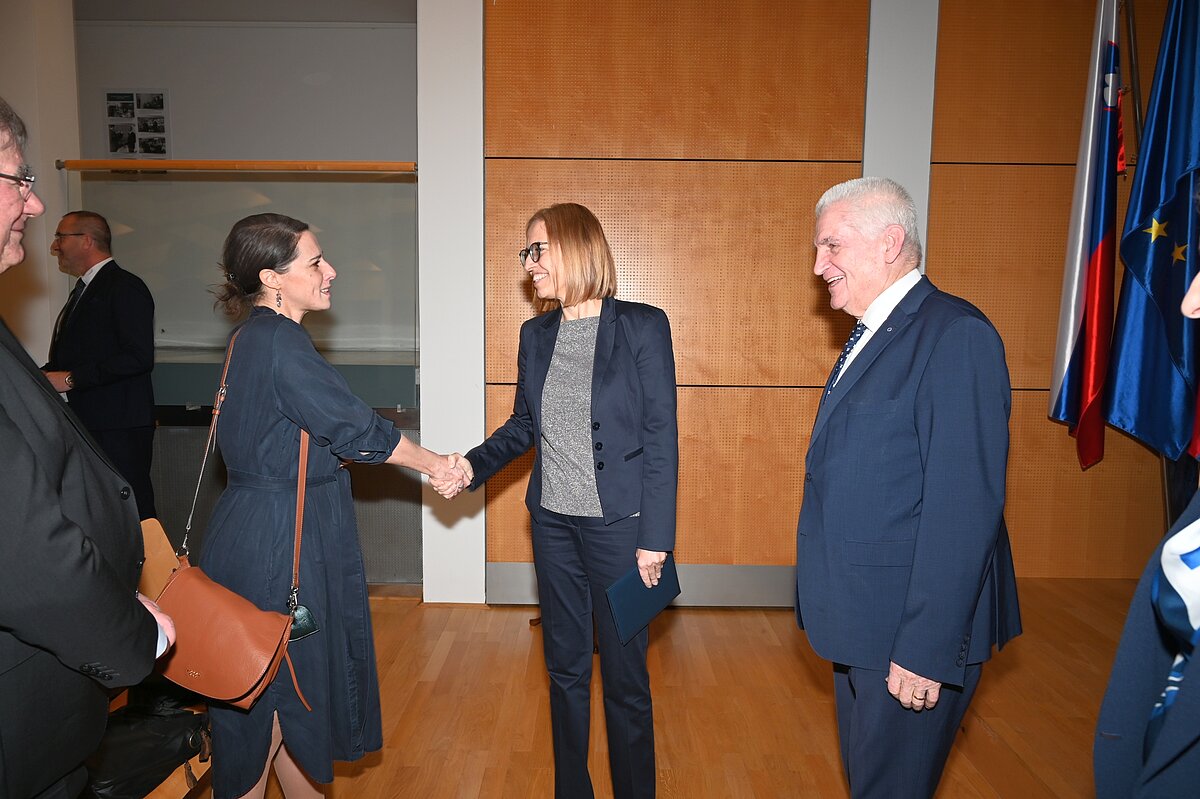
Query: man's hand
164, 622
912, 690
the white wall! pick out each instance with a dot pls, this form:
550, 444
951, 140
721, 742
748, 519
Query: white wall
305, 91
450, 239
37, 78
242, 11
289, 91
898, 128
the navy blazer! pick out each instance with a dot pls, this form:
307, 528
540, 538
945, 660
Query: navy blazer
1139, 675
901, 550
107, 344
69, 532
635, 438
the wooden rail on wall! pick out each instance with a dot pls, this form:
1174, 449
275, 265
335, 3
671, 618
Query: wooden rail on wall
166, 165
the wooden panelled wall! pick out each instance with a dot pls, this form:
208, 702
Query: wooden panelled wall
701, 134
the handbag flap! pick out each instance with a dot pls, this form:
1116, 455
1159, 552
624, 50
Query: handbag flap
225, 644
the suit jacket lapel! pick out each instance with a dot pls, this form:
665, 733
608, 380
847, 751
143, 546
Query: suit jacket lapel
93, 290
900, 318
543, 339
606, 336
89, 295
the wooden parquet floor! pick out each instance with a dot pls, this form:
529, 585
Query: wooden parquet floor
742, 706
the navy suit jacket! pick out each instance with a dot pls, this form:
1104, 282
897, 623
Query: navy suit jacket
1139, 675
901, 550
107, 344
634, 431
70, 552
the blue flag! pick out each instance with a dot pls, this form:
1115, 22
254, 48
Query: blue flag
1155, 366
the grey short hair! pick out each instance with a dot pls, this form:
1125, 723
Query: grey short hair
878, 202
12, 128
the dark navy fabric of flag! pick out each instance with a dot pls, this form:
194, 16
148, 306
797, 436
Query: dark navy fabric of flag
1155, 364
1085, 319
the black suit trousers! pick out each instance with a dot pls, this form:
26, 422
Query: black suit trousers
576, 558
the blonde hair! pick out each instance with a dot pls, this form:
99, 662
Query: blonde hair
586, 268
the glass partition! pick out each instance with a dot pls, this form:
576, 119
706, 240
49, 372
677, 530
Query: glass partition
168, 228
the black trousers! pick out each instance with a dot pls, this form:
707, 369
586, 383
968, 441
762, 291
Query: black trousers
576, 558
889, 752
131, 451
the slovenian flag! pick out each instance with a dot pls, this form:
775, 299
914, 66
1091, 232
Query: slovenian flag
1085, 316
1155, 367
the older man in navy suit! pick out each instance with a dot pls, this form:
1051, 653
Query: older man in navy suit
904, 574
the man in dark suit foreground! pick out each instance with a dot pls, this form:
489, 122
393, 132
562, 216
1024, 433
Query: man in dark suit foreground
71, 623
904, 574
102, 351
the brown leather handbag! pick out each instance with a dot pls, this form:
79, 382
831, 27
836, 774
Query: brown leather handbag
226, 647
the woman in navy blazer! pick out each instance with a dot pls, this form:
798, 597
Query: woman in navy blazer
1146, 744
596, 399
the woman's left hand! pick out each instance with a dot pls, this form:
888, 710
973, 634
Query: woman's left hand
650, 566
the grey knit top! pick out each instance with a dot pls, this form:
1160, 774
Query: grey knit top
568, 471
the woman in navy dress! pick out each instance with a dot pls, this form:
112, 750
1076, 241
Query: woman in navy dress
278, 384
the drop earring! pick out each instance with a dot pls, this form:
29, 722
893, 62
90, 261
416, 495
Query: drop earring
278, 299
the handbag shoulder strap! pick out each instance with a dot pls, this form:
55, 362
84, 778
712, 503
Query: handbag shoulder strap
301, 479
218, 400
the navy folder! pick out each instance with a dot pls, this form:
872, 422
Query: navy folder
634, 605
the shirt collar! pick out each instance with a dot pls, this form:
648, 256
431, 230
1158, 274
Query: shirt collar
90, 274
879, 310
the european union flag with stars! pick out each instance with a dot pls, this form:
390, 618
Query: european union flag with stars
1154, 372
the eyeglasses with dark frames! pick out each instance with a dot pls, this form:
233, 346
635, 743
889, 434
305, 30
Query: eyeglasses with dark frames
58, 236
24, 183
533, 252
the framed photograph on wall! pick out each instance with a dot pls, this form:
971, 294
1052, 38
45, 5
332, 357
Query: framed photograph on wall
138, 123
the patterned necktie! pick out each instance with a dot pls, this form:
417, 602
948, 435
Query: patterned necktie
855, 335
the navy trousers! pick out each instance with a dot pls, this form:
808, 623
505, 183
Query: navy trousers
889, 752
576, 558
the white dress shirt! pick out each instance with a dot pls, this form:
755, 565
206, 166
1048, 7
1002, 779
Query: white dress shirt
878, 312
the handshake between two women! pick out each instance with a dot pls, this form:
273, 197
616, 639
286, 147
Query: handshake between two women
448, 474
452, 473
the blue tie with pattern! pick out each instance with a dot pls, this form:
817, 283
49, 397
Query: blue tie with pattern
855, 335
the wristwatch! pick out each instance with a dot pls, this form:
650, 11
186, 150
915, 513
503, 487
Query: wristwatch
69, 380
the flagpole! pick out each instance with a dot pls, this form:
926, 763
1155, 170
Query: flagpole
1135, 80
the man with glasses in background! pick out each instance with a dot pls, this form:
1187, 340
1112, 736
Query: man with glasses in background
102, 351
71, 624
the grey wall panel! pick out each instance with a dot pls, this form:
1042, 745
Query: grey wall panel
701, 585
